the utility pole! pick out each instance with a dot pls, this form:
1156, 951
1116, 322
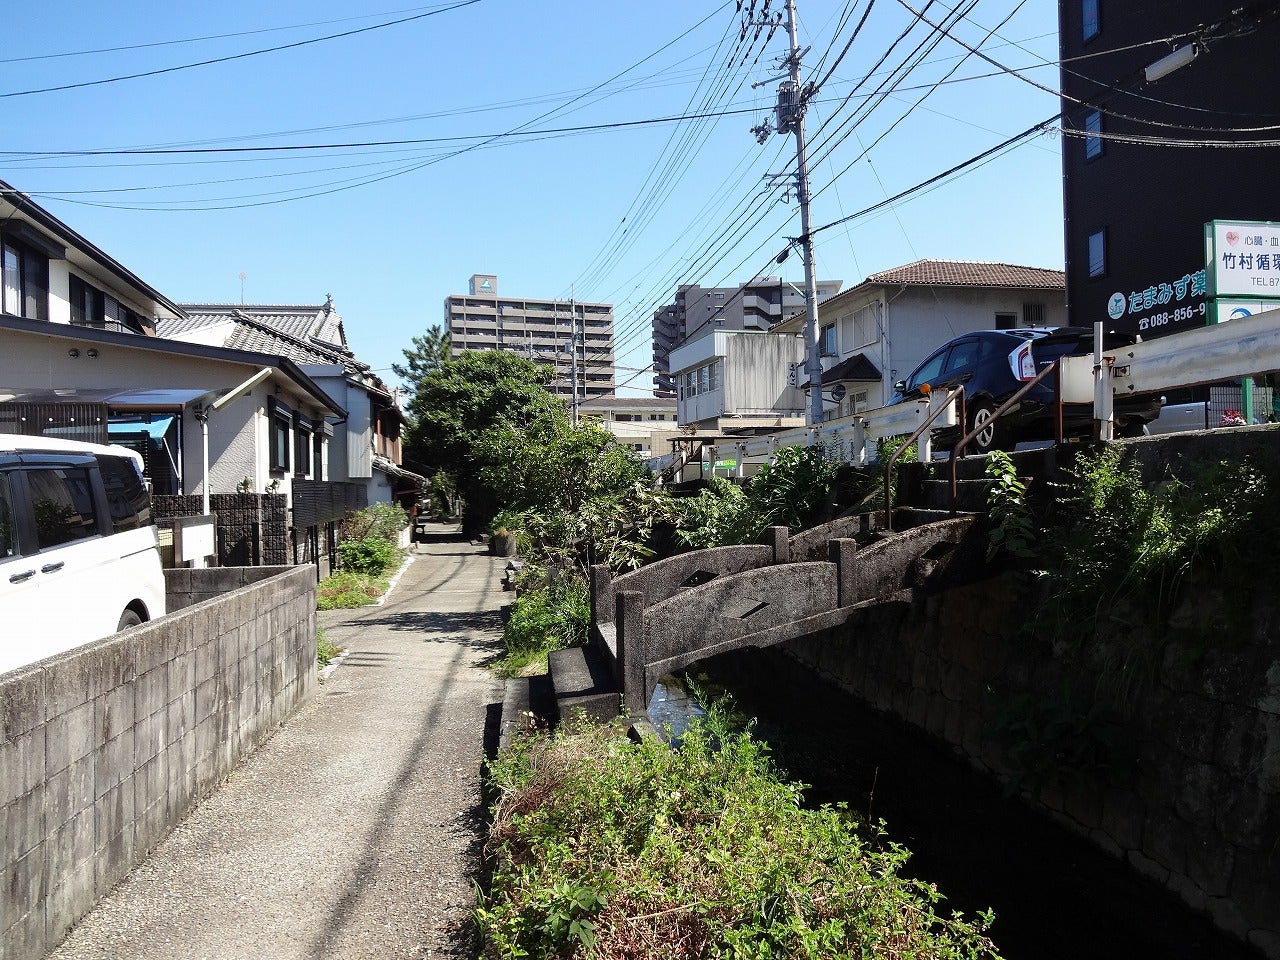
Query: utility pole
792, 100
573, 348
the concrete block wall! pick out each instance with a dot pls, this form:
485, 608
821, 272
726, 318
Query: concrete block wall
106, 748
184, 586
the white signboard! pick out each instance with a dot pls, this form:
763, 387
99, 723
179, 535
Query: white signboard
1243, 259
1238, 309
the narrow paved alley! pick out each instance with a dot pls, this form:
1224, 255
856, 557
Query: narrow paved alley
354, 831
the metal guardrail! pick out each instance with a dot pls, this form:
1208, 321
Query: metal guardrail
1244, 347
849, 439
1240, 348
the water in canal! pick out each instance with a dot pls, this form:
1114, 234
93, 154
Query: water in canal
1055, 896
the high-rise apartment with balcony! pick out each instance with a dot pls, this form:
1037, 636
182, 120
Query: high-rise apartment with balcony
545, 331
761, 304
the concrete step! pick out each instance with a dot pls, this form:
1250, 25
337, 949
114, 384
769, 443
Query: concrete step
904, 518
582, 680
526, 702
971, 495
1040, 461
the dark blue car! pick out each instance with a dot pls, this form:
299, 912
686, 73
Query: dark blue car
994, 364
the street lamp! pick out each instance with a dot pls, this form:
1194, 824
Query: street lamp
1174, 61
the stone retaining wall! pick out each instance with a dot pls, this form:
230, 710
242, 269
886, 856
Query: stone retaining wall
107, 747
1181, 779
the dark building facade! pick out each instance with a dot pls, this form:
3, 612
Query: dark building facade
1150, 159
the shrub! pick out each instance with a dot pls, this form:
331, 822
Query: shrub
368, 555
604, 848
549, 613
383, 521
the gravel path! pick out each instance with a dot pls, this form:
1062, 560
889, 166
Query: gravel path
353, 832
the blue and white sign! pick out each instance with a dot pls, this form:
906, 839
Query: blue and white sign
1168, 303
1243, 258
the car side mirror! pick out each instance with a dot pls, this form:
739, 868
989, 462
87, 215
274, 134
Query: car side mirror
901, 386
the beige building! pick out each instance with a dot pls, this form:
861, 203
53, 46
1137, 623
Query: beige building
645, 424
545, 331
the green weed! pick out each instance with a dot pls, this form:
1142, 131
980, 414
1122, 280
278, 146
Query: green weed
346, 589
700, 851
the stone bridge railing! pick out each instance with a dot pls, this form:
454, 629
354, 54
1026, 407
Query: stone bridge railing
686, 608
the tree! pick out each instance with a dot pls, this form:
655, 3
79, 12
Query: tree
455, 404
548, 464
429, 351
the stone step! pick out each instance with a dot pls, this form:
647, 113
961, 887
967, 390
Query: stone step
582, 680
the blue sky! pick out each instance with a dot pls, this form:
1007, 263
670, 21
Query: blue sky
620, 214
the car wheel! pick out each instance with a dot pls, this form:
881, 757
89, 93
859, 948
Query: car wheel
128, 619
1132, 428
991, 435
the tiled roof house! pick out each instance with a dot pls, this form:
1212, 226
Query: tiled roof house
366, 446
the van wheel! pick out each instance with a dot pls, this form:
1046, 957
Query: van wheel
128, 619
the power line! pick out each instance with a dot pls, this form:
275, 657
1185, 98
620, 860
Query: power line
235, 56
202, 39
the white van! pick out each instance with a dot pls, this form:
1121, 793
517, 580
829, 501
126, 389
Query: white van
78, 547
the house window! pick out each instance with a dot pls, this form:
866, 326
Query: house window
1033, 315
1093, 125
827, 341
1006, 321
1098, 254
25, 290
317, 454
90, 307
280, 425
1091, 22
301, 448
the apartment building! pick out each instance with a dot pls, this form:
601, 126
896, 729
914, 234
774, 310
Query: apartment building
760, 304
545, 331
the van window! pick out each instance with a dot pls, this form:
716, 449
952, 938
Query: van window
62, 501
8, 529
127, 495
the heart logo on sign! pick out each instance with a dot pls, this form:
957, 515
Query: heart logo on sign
1232, 237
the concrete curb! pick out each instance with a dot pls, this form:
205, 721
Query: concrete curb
394, 580
327, 671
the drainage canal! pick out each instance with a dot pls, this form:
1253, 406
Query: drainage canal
1054, 894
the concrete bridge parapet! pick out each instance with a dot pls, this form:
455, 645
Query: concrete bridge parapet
668, 624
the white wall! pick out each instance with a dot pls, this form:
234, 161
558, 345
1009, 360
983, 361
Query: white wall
755, 374
915, 321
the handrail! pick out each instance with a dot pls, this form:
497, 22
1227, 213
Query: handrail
1053, 367
952, 395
